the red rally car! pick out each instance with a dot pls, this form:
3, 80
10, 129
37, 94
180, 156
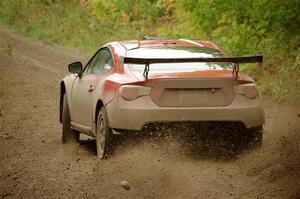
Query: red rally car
130, 84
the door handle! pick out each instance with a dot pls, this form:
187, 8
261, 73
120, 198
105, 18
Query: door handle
91, 88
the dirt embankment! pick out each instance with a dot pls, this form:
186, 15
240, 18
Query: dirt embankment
34, 163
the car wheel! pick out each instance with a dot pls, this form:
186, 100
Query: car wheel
103, 135
68, 134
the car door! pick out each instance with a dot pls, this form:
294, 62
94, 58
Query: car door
83, 92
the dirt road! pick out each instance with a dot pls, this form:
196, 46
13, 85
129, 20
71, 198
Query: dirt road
34, 163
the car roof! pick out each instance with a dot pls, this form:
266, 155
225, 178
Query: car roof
133, 44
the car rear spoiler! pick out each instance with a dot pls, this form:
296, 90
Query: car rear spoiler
234, 60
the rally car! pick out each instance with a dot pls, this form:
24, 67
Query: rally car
129, 84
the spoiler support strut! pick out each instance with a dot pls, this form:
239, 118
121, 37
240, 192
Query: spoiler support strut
235, 70
146, 71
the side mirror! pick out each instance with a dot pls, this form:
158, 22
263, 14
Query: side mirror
75, 67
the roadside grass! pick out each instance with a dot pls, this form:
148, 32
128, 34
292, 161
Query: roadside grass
66, 23
281, 88
278, 80
70, 24
5, 51
59, 23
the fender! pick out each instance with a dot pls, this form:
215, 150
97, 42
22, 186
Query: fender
66, 86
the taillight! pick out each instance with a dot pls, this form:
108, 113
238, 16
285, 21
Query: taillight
132, 92
248, 90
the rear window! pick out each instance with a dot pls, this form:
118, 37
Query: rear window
177, 52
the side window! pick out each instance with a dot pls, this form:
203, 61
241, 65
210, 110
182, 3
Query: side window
101, 63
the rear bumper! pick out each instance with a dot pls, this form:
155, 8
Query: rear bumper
136, 114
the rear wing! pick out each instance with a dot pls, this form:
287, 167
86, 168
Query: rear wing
234, 60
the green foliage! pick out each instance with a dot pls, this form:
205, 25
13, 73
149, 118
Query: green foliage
243, 27
248, 26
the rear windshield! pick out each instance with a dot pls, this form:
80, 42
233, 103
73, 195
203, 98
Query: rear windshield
177, 52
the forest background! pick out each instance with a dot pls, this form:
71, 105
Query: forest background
241, 27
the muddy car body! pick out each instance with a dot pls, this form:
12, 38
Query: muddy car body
127, 85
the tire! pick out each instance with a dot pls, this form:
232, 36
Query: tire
68, 134
104, 136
